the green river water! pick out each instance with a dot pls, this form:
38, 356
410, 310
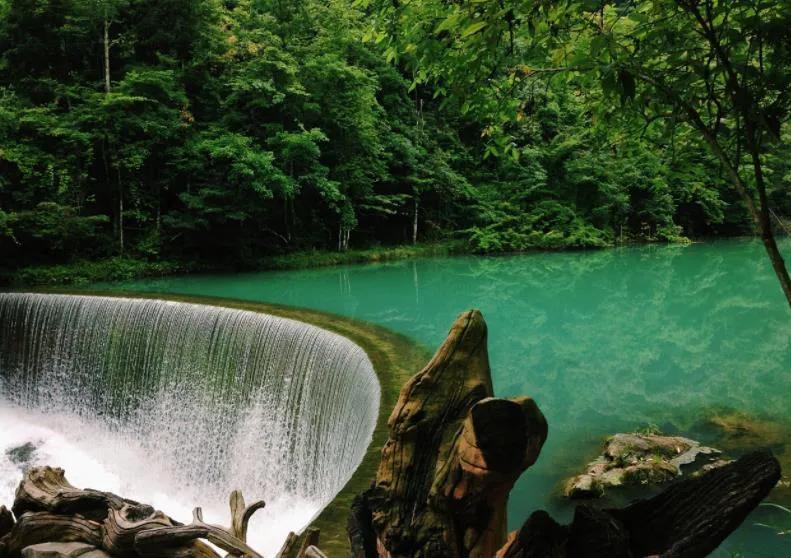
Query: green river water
605, 341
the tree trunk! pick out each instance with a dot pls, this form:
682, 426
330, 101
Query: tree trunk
778, 264
285, 220
765, 225
416, 197
343, 238
106, 43
120, 211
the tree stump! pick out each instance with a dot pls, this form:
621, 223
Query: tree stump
452, 456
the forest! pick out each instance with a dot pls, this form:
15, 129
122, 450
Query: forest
225, 131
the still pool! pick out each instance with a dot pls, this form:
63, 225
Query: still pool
605, 341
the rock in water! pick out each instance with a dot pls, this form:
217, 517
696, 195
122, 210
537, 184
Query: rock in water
632, 459
23, 456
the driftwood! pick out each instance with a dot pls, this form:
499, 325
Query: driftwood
313, 552
40, 527
46, 489
301, 546
289, 546
6, 521
49, 509
689, 519
152, 542
454, 452
123, 525
452, 456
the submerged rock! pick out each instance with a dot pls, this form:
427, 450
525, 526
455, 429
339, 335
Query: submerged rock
744, 432
634, 459
740, 432
23, 455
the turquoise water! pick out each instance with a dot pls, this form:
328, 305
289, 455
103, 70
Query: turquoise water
604, 341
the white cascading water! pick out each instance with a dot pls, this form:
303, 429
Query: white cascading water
177, 404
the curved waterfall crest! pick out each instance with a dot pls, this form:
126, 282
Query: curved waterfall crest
220, 398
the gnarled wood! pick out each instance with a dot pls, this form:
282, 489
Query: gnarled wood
6, 521
288, 546
499, 439
150, 542
52, 510
40, 527
241, 514
46, 489
122, 525
453, 455
688, 519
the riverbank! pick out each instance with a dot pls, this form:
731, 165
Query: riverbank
130, 268
122, 268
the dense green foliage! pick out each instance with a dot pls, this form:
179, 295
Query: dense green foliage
232, 131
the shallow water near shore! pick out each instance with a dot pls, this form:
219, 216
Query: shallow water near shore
604, 341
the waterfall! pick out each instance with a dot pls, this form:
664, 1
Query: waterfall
198, 400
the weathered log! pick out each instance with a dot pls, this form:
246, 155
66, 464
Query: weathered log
310, 539
46, 489
122, 526
40, 527
153, 542
359, 527
313, 552
692, 517
288, 546
63, 550
51, 509
6, 521
241, 514
500, 438
452, 456
688, 519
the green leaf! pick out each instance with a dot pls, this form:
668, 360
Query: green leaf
472, 29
